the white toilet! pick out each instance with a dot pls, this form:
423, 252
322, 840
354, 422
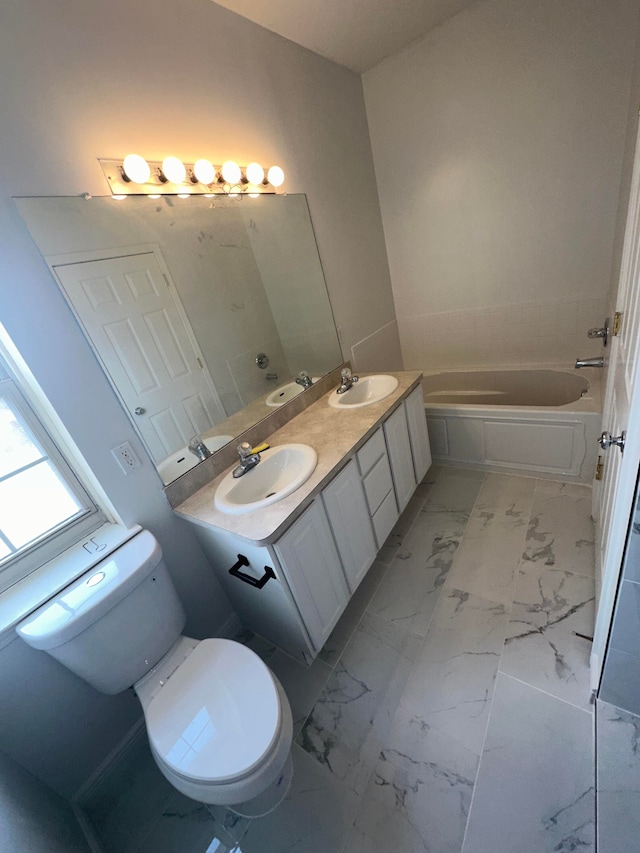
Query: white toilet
218, 721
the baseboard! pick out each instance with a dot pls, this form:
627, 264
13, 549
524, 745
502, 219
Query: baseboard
230, 626
90, 785
87, 829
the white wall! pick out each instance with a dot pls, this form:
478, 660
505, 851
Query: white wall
498, 143
84, 80
32, 817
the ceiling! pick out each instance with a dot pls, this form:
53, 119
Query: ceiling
356, 33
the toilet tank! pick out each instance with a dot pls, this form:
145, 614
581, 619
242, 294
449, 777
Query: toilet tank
115, 622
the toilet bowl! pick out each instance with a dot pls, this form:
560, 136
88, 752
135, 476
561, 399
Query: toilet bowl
218, 721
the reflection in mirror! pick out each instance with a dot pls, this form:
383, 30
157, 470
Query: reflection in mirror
205, 313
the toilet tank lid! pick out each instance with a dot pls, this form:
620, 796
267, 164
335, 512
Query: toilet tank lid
83, 602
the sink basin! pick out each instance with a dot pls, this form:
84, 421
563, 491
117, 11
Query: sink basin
280, 472
286, 392
184, 460
368, 390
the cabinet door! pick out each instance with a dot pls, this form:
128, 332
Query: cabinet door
349, 519
418, 434
271, 611
397, 436
312, 568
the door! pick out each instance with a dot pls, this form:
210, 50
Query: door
396, 434
350, 523
133, 316
613, 496
312, 568
418, 433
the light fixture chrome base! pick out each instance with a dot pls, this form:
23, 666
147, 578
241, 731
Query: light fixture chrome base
157, 184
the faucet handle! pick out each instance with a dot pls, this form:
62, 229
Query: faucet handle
244, 450
345, 374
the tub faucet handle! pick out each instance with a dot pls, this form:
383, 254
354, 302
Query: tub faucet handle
602, 332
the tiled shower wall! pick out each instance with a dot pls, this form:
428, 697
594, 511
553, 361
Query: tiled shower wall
549, 332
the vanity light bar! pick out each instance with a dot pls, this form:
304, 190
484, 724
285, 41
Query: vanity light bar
136, 176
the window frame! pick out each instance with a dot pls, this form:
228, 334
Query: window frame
51, 544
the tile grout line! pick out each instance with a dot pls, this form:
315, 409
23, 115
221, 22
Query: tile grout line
545, 692
493, 694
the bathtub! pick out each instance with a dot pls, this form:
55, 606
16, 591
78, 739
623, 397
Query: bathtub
543, 421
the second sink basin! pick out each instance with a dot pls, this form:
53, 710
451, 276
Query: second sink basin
368, 390
183, 460
286, 392
280, 472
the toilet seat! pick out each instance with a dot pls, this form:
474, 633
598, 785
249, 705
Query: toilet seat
217, 717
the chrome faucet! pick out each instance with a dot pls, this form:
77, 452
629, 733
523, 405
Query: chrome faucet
199, 448
590, 362
304, 379
347, 379
248, 459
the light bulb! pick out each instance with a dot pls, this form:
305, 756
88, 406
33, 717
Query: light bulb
275, 176
231, 172
173, 169
184, 195
252, 191
118, 197
136, 168
204, 171
254, 173
154, 196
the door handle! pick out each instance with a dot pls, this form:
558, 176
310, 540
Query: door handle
606, 440
139, 410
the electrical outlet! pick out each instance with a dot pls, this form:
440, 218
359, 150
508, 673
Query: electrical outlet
126, 458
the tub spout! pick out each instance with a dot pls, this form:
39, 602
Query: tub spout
590, 362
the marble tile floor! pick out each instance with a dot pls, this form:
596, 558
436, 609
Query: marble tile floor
447, 713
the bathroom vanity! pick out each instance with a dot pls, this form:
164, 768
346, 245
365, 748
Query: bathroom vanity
289, 569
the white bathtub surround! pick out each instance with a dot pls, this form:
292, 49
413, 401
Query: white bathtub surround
548, 332
379, 351
554, 441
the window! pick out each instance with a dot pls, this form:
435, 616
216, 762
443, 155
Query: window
44, 508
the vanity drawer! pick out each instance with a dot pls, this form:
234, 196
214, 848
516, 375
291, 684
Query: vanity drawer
384, 518
370, 452
378, 483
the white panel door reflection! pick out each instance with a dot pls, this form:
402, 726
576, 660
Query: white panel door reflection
132, 315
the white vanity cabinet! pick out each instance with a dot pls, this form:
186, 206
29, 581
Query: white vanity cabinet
350, 522
312, 568
418, 434
270, 610
373, 462
293, 591
396, 433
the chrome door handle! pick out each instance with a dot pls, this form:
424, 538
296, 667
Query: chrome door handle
139, 410
606, 440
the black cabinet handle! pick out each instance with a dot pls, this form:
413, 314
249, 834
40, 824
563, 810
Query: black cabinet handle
257, 582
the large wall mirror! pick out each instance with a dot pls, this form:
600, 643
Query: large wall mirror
202, 311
